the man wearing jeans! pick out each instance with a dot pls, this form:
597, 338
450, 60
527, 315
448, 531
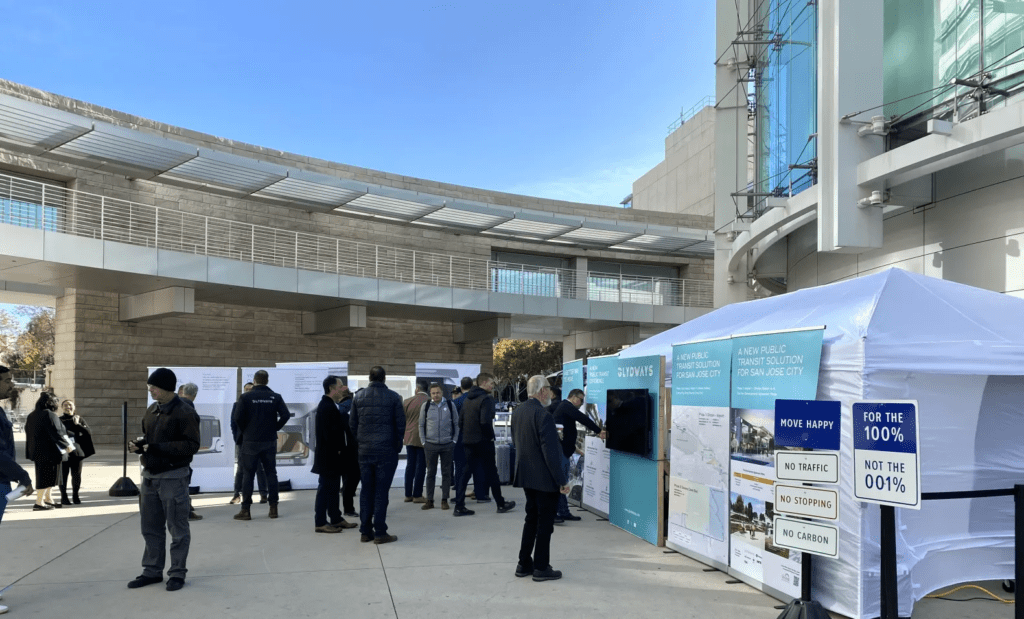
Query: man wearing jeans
170, 437
439, 429
377, 420
10, 470
259, 416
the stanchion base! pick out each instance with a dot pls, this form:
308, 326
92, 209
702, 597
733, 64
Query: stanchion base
799, 609
124, 487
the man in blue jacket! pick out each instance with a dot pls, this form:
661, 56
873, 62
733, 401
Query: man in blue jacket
258, 417
10, 470
378, 421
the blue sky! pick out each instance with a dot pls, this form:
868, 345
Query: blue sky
565, 100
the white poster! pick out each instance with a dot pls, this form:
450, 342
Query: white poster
335, 368
302, 388
451, 373
404, 386
596, 469
213, 465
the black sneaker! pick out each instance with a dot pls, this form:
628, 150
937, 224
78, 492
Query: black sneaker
173, 584
558, 520
570, 517
142, 581
485, 499
523, 572
462, 511
507, 506
548, 574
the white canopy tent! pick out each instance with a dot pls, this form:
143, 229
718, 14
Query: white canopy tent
958, 351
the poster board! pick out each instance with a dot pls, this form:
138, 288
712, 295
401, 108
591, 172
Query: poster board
596, 457
698, 520
572, 378
765, 367
213, 465
448, 375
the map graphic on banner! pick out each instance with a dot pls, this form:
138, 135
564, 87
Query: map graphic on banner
699, 460
597, 458
572, 378
213, 465
765, 367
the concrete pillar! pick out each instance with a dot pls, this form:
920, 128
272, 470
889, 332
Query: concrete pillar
581, 285
482, 331
850, 42
616, 336
730, 286
569, 350
334, 320
163, 303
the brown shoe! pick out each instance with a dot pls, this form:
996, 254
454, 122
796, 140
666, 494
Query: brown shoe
366, 538
235, 500
243, 514
471, 495
387, 539
428, 505
344, 524
419, 499
327, 529
444, 504
273, 510
408, 499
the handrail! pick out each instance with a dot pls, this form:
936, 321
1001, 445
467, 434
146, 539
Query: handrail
686, 115
51, 208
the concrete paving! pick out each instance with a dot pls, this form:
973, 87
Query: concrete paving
77, 560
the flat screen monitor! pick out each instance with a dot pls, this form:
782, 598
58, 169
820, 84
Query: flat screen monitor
628, 421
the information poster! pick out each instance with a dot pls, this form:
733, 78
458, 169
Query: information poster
572, 378
448, 375
698, 502
302, 387
596, 458
633, 480
765, 367
213, 465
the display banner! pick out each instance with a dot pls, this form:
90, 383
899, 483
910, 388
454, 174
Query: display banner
302, 388
448, 375
572, 378
698, 502
336, 368
596, 458
213, 464
765, 367
404, 386
633, 479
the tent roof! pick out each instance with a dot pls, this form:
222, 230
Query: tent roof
907, 322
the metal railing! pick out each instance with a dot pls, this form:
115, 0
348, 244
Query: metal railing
34, 205
686, 115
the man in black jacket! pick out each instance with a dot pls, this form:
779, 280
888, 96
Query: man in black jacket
258, 417
170, 437
328, 460
567, 414
378, 422
349, 457
539, 472
477, 423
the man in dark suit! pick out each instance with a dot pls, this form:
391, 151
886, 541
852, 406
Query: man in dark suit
539, 472
329, 459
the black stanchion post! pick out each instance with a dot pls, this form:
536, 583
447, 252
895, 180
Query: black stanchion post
890, 595
1018, 542
124, 486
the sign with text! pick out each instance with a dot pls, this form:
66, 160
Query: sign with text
769, 366
886, 460
815, 538
807, 502
807, 466
811, 424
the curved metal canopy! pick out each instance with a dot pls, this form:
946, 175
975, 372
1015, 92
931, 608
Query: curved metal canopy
41, 130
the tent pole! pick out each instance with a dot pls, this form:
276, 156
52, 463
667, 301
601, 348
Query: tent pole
1018, 542
890, 594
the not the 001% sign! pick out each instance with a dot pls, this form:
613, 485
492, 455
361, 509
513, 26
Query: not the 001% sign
886, 462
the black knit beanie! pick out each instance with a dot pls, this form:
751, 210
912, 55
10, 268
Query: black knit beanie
163, 378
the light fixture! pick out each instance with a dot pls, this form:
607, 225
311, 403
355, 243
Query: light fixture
879, 125
877, 198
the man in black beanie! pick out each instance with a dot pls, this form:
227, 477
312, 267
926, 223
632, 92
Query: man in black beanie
170, 437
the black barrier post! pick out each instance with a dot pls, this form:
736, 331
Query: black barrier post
124, 486
1018, 543
890, 595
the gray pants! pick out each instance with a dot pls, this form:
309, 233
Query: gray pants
446, 453
164, 503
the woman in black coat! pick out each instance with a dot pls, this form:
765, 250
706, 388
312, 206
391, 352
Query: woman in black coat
79, 432
46, 444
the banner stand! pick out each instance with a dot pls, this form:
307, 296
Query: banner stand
124, 486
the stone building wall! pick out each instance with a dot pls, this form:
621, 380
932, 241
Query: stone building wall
102, 362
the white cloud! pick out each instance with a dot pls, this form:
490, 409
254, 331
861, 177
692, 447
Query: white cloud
607, 186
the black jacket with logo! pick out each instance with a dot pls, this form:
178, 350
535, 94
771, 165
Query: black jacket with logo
258, 416
172, 436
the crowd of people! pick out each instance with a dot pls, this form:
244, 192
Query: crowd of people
359, 437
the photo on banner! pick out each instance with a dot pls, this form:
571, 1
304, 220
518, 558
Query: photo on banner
448, 375
596, 457
572, 378
633, 415
213, 465
698, 509
765, 367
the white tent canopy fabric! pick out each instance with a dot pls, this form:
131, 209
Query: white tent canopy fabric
958, 351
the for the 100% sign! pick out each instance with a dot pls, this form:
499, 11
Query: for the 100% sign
886, 461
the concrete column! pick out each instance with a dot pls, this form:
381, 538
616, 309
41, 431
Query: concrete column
482, 331
173, 301
616, 336
334, 320
569, 350
582, 286
850, 42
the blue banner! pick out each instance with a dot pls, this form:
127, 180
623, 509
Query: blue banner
597, 459
775, 366
700, 373
807, 423
572, 378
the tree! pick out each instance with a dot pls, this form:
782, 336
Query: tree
517, 360
8, 334
738, 505
31, 348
